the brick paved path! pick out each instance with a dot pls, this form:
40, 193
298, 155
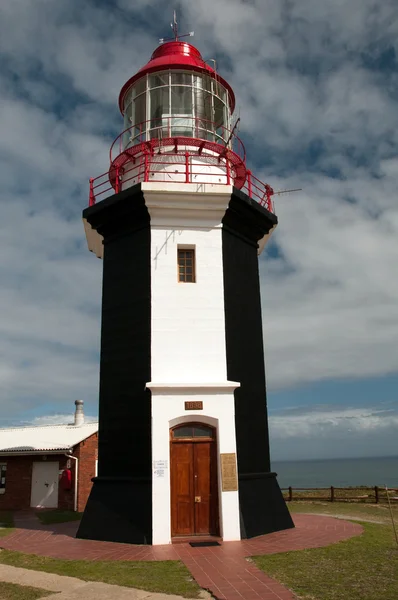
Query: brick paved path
224, 570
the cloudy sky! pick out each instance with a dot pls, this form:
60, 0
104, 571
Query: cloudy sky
317, 87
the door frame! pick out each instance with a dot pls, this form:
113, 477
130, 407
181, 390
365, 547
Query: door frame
198, 440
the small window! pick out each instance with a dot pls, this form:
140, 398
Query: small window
183, 432
202, 431
181, 100
193, 431
3, 471
181, 79
186, 265
158, 80
139, 87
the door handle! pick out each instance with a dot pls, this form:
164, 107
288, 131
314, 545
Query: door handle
198, 499
46, 484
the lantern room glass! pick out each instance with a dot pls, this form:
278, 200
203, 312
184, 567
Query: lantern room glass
176, 104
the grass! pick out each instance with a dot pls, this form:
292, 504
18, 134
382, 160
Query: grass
169, 577
366, 512
7, 523
48, 517
362, 568
13, 591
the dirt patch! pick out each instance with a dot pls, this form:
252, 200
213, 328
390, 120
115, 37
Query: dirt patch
365, 518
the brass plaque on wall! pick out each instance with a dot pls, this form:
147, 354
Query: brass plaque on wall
196, 405
229, 475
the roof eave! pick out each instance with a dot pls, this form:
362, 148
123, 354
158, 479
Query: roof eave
34, 452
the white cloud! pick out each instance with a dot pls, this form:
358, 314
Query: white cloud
314, 423
322, 432
334, 311
56, 419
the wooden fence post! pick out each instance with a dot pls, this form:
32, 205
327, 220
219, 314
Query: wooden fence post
377, 494
331, 493
290, 494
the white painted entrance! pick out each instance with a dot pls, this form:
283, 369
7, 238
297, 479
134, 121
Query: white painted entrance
45, 484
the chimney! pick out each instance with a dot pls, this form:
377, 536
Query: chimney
79, 414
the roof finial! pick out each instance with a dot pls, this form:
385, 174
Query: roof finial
174, 26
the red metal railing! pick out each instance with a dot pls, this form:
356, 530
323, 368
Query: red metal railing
100, 187
259, 191
161, 131
169, 153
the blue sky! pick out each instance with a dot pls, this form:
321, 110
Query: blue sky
316, 86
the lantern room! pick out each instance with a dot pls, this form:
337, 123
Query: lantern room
177, 124
179, 98
178, 129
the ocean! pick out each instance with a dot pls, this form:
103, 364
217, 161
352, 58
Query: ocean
340, 472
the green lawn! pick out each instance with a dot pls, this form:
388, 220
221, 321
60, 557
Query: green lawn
169, 577
6, 522
48, 517
12, 591
362, 568
372, 512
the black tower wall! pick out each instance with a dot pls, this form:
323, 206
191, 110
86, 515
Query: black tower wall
262, 507
120, 504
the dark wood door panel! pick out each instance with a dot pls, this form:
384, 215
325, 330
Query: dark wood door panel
194, 487
182, 510
202, 469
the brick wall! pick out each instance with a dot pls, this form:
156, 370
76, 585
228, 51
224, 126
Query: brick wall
87, 453
19, 477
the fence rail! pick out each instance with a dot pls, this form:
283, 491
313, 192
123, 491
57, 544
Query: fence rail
374, 495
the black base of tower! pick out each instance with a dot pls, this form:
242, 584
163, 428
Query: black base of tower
262, 506
118, 510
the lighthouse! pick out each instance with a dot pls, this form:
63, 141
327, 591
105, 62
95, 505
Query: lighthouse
179, 222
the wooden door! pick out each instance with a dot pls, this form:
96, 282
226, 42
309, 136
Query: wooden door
182, 489
194, 494
204, 471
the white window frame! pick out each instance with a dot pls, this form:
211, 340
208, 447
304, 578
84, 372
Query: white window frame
3, 471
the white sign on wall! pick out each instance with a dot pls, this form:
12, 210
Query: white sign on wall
159, 468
